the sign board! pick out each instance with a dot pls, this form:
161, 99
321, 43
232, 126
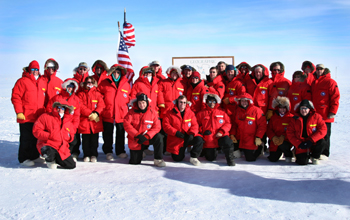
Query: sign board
202, 64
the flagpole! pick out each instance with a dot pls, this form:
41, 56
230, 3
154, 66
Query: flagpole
118, 40
124, 15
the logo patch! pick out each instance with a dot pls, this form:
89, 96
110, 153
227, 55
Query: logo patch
323, 93
295, 98
57, 92
125, 96
250, 122
263, 92
195, 98
149, 126
314, 129
221, 121
231, 92
280, 92
189, 124
180, 93
95, 105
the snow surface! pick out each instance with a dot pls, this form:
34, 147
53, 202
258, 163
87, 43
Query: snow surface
117, 190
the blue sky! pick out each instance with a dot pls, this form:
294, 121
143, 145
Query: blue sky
289, 31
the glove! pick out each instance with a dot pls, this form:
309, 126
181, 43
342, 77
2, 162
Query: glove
190, 138
275, 140
180, 135
21, 116
207, 132
280, 140
226, 101
233, 138
141, 138
161, 106
258, 141
269, 114
93, 116
331, 115
305, 145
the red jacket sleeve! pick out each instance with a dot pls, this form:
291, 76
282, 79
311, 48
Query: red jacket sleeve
39, 129
321, 129
334, 97
261, 124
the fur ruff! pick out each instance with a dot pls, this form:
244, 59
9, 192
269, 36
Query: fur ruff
66, 83
70, 108
281, 101
218, 100
177, 69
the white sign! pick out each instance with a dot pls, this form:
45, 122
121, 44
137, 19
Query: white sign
202, 64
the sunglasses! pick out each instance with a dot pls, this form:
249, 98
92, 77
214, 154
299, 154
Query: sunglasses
212, 71
304, 108
195, 77
211, 102
51, 68
244, 67
82, 69
61, 108
88, 82
182, 102
277, 70
34, 69
319, 69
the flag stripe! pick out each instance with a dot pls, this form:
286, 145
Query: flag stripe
129, 35
124, 59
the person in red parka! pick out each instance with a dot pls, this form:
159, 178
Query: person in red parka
53, 82
279, 86
143, 125
234, 86
100, 69
80, 73
116, 95
28, 99
221, 70
248, 127
186, 71
181, 126
54, 130
276, 130
214, 126
306, 132
158, 70
91, 106
68, 94
308, 69
195, 92
325, 96
216, 81
298, 91
244, 71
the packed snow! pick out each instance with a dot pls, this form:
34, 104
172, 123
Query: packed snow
117, 190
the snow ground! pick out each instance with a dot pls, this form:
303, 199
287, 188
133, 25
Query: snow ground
116, 190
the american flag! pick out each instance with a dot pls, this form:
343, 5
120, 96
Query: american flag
129, 34
124, 59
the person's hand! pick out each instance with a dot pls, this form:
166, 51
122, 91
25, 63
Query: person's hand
275, 140
331, 115
93, 116
305, 145
21, 116
207, 132
233, 138
226, 101
258, 141
218, 135
269, 114
141, 138
179, 135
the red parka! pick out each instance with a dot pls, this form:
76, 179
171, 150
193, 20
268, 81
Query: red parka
142, 85
316, 130
233, 88
173, 122
215, 120
136, 122
28, 96
247, 124
103, 75
280, 84
116, 99
325, 95
90, 101
298, 91
195, 96
54, 84
259, 91
218, 84
243, 77
51, 130
310, 77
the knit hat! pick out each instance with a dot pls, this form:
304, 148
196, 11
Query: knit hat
196, 74
141, 97
230, 67
307, 104
33, 65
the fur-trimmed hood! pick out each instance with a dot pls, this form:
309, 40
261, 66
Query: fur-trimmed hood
212, 93
277, 63
244, 96
51, 60
302, 76
94, 83
69, 81
308, 63
63, 104
116, 67
183, 68
144, 69
100, 62
264, 70
177, 69
281, 101
244, 64
297, 106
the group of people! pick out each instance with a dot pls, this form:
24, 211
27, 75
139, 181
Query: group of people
235, 110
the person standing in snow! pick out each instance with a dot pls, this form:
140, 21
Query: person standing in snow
28, 99
100, 69
298, 91
53, 82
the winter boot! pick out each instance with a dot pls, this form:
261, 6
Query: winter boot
315, 161
288, 159
109, 156
237, 154
75, 157
86, 159
52, 165
159, 163
27, 163
122, 155
148, 152
230, 158
195, 161
93, 159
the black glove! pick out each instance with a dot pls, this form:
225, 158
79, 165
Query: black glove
190, 138
207, 132
180, 135
141, 138
305, 145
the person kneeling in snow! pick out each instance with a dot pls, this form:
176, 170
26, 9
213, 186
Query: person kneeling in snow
306, 132
54, 132
181, 125
143, 126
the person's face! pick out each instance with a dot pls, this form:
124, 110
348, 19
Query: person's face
98, 70
297, 78
244, 69
187, 73
35, 72
61, 109
307, 70
222, 67
156, 68
181, 104
195, 80
211, 103
282, 110
142, 105
51, 70
117, 73
304, 110
258, 73
319, 71
213, 73
82, 70
230, 74
147, 75
70, 89
244, 103
174, 75
276, 70
89, 83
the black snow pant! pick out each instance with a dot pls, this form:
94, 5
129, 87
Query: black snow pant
197, 143
50, 154
27, 143
90, 144
75, 144
136, 156
314, 151
327, 138
225, 142
251, 155
283, 148
107, 136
